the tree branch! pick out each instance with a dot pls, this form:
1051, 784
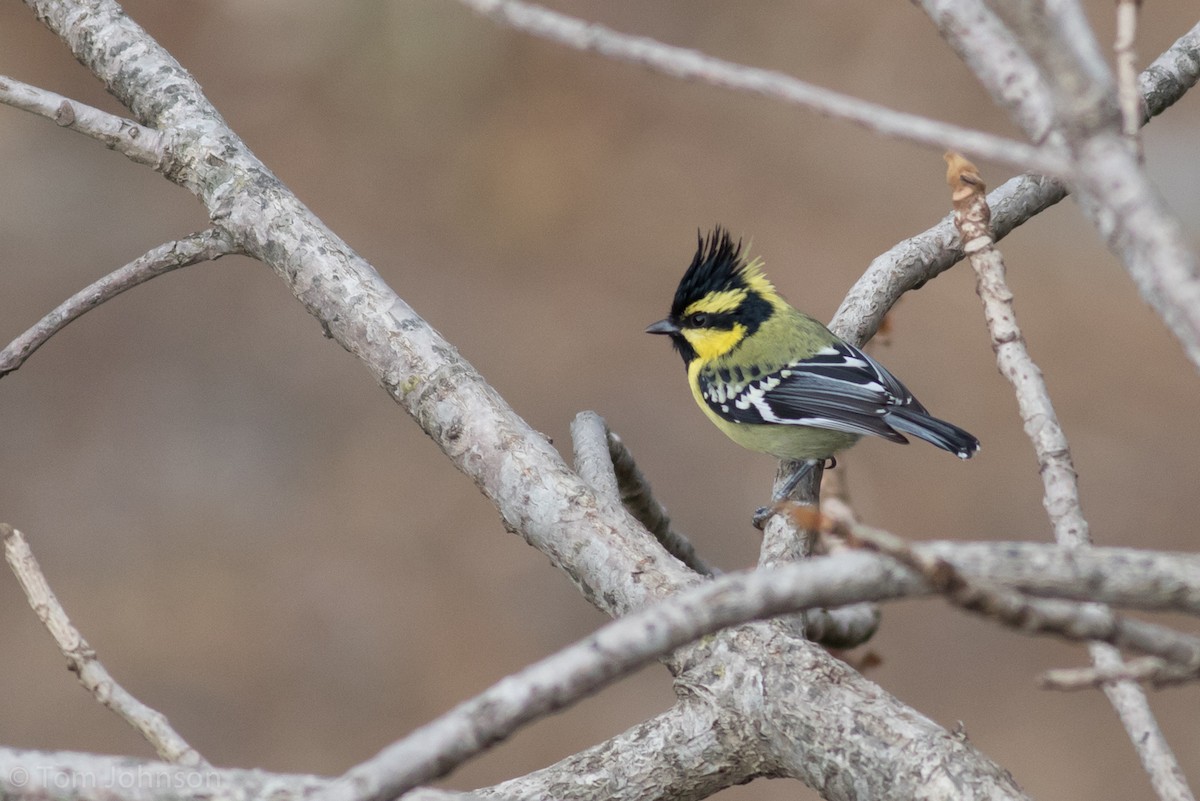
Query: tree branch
640, 637
70, 776
1125, 50
1072, 621
1080, 92
603, 461
911, 263
82, 661
682, 63
1061, 489
1148, 669
687, 753
212, 243
809, 699
597, 545
141, 144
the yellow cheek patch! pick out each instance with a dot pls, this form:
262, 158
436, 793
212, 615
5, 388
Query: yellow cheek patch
709, 343
726, 300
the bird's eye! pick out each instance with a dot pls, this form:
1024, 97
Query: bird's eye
698, 320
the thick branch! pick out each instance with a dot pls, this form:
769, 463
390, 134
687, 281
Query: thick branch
642, 636
687, 753
598, 545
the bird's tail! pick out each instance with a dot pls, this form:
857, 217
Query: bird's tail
946, 436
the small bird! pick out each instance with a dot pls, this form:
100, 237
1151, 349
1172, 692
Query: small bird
777, 381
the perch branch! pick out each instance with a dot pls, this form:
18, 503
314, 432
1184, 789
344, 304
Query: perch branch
832, 581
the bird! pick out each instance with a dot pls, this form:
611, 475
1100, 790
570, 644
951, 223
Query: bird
776, 380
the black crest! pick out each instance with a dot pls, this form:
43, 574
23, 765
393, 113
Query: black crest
717, 265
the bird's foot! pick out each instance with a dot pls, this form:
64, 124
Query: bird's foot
763, 513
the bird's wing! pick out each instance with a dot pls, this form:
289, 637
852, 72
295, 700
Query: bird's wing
839, 388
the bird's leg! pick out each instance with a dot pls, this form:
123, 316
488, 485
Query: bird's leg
785, 489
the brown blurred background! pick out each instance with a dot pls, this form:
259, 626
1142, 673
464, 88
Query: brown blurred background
261, 544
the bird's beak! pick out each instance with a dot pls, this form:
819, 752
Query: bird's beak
663, 327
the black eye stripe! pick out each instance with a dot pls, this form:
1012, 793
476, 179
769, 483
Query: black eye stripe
723, 321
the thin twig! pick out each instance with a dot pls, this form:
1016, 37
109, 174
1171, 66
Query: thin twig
639, 499
1128, 96
1061, 489
141, 144
1067, 619
1147, 670
81, 659
690, 64
603, 461
206, 245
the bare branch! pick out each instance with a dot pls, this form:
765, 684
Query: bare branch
690, 751
642, 636
598, 547
602, 460
1147, 669
1079, 90
1128, 96
1121, 577
589, 437
682, 63
1133, 708
1172, 74
1071, 621
574, 672
206, 245
972, 216
141, 144
82, 661
1061, 490
68, 776
996, 58
911, 263
1058, 38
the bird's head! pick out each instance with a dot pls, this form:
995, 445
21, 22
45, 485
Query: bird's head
722, 299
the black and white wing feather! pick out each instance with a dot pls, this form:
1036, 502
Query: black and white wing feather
839, 388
